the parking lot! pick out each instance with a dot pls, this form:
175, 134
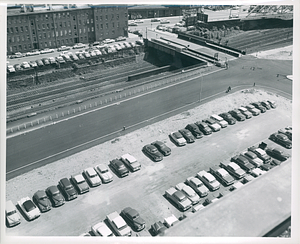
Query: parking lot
144, 189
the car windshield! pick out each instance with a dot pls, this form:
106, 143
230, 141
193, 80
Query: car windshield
153, 150
11, 212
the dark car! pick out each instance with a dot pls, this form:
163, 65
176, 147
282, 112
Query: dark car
286, 132
39, 62
187, 135
18, 67
119, 167
194, 129
272, 104
259, 106
55, 196
132, 217
267, 167
152, 152
158, 228
260, 153
242, 162
80, 184
204, 128
281, 139
265, 104
277, 153
165, 150
252, 109
228, 117
68, 189
237, 115
42, 201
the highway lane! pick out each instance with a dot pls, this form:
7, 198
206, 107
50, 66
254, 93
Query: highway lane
51, 143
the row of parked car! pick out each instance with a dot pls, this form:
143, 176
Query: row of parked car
68, 189
119, 224
215, 122
242, 168
67, 56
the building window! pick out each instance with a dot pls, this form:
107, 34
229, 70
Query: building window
34, 39
17, 29
67, 41
101, 18
74, 17
44, 34
69, 23
79, 22
33, 31
117, 16
22, 38
97, 18
92, 21
88, 29
46, 16
43, 26
7, 30
11, 30
21, 28
26, 28
9, 40
28, 37
75, 27
113, 32
118, 25
83, 30
31, 22
101, 26
112, 16
92, 29
87, 21
25, 47
29, 46
46, 44
38, 27
79, 31
56, 33
50, 44
61, 33
65, 24
113, 24
40, 36
18, 38
106, 25
97, 26
70, 32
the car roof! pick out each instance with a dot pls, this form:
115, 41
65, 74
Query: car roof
102, 167
79, 178
233, 165
209, 176
91, 171
40, 194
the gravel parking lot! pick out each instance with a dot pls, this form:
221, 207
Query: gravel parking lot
144, 189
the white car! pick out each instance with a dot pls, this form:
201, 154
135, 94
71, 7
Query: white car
164, 21
245, 112
29, 208
212, 124
11, 69
219, 120
12, 216
189, 192
209, 180
131, 162
253, 159
118, 224
177, 138
104, 173
25, 65
92, 177
197, 185
101, 229
65, 52
98, 53
107, 41
257, 172
47, 50
139, 21
93, 54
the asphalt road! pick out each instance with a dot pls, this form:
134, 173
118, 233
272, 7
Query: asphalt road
144, 189
48, 144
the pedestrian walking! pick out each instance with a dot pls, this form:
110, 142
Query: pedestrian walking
254, 84
228, 89
124, 128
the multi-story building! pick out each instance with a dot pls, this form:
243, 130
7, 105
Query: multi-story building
54, 26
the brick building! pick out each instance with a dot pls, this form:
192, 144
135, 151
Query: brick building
53, 26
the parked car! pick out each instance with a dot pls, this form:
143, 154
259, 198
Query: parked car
219, 120
245, 112
237, 115
104, 173
118, 224
120, 38
252, 109
177, 138
152, 152
233, 169
42, 201
119, 167
281, 139
188, 192
155, 20
243, 162
158, 228
222, 175
204, 128
259, 107
63, 48
79, 45
212, 124
187, 135
257, 172
12, 216
52, 60
272, 104
67, 58
80, 56
253, 159
80, 184
47, 50
11, 69
17, 67
133, 218
39, 63
139, 42
286, 132
68, 189
164, 21
60, 60
101, 229
131, 162
197, 185
92, 177
25, 65
267, 166
228, 117
107, 41
32, 64
74, 57
265, 104
209, 180
165, 150
260, 153
33, 52
178, 198
29, 209
132, 24
55, 196
194, 129
277, 153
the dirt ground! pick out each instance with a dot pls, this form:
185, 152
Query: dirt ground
40, 178
284, 53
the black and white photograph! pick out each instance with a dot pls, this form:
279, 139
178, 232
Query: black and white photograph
143, 120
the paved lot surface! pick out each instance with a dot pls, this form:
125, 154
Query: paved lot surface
144, 189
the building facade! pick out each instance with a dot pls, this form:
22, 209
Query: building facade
52, 28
